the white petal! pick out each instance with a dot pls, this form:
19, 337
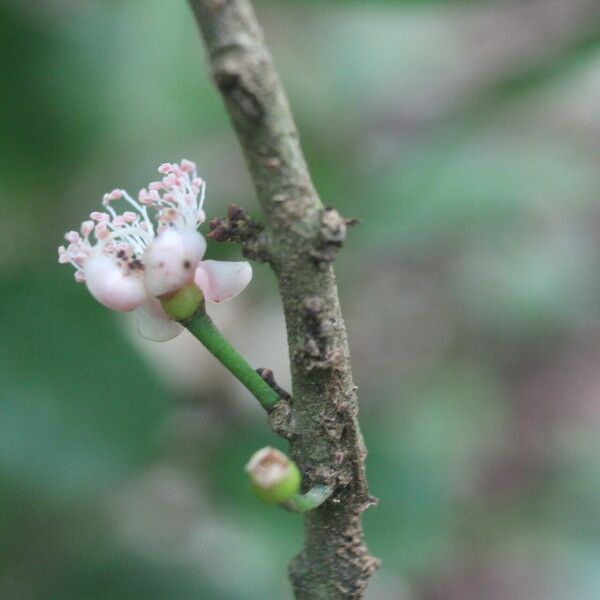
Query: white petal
154, 324
222, 280
171, 259
112, 287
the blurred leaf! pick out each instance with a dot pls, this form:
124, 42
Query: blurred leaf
536, 278
558, 66
118, 576
78, 408
461, 184
367, 3
420, 455
49, 113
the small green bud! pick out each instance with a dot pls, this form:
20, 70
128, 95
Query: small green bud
274, 478
183, 303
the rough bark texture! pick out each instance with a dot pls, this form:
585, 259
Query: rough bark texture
299, 240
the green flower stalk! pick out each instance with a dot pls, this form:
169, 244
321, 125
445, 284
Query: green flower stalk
301, 503
188, 302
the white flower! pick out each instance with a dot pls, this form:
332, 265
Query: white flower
127, 262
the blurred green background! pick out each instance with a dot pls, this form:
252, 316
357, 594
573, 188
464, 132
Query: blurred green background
466, 137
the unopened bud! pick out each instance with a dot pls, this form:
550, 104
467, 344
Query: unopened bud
183, 303
274, 478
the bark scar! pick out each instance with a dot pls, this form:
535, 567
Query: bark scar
238, 89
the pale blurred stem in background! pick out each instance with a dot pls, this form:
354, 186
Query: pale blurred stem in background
299, 241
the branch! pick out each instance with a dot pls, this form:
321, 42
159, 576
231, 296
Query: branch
300, 240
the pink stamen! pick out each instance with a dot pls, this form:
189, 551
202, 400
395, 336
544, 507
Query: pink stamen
188, 165
63, 258
72, 236
144, 197
175, 201
99, 216
87, 227
101, 232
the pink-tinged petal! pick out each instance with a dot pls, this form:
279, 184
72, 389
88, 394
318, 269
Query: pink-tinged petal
154, 324
222, 280
171, 259
112, 287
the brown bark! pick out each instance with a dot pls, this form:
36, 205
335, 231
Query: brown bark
300, 240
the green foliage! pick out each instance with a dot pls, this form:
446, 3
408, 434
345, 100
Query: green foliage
79, 409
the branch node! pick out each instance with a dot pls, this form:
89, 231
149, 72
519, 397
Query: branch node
333, 226
281, 419
267, 375
273, 163
369, 502
323, 474
239, 228
318, 351
331, 235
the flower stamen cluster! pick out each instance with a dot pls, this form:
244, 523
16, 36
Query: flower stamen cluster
178, 205
129, 259
123, 236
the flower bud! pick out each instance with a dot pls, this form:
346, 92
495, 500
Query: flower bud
274, 478
183, 303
